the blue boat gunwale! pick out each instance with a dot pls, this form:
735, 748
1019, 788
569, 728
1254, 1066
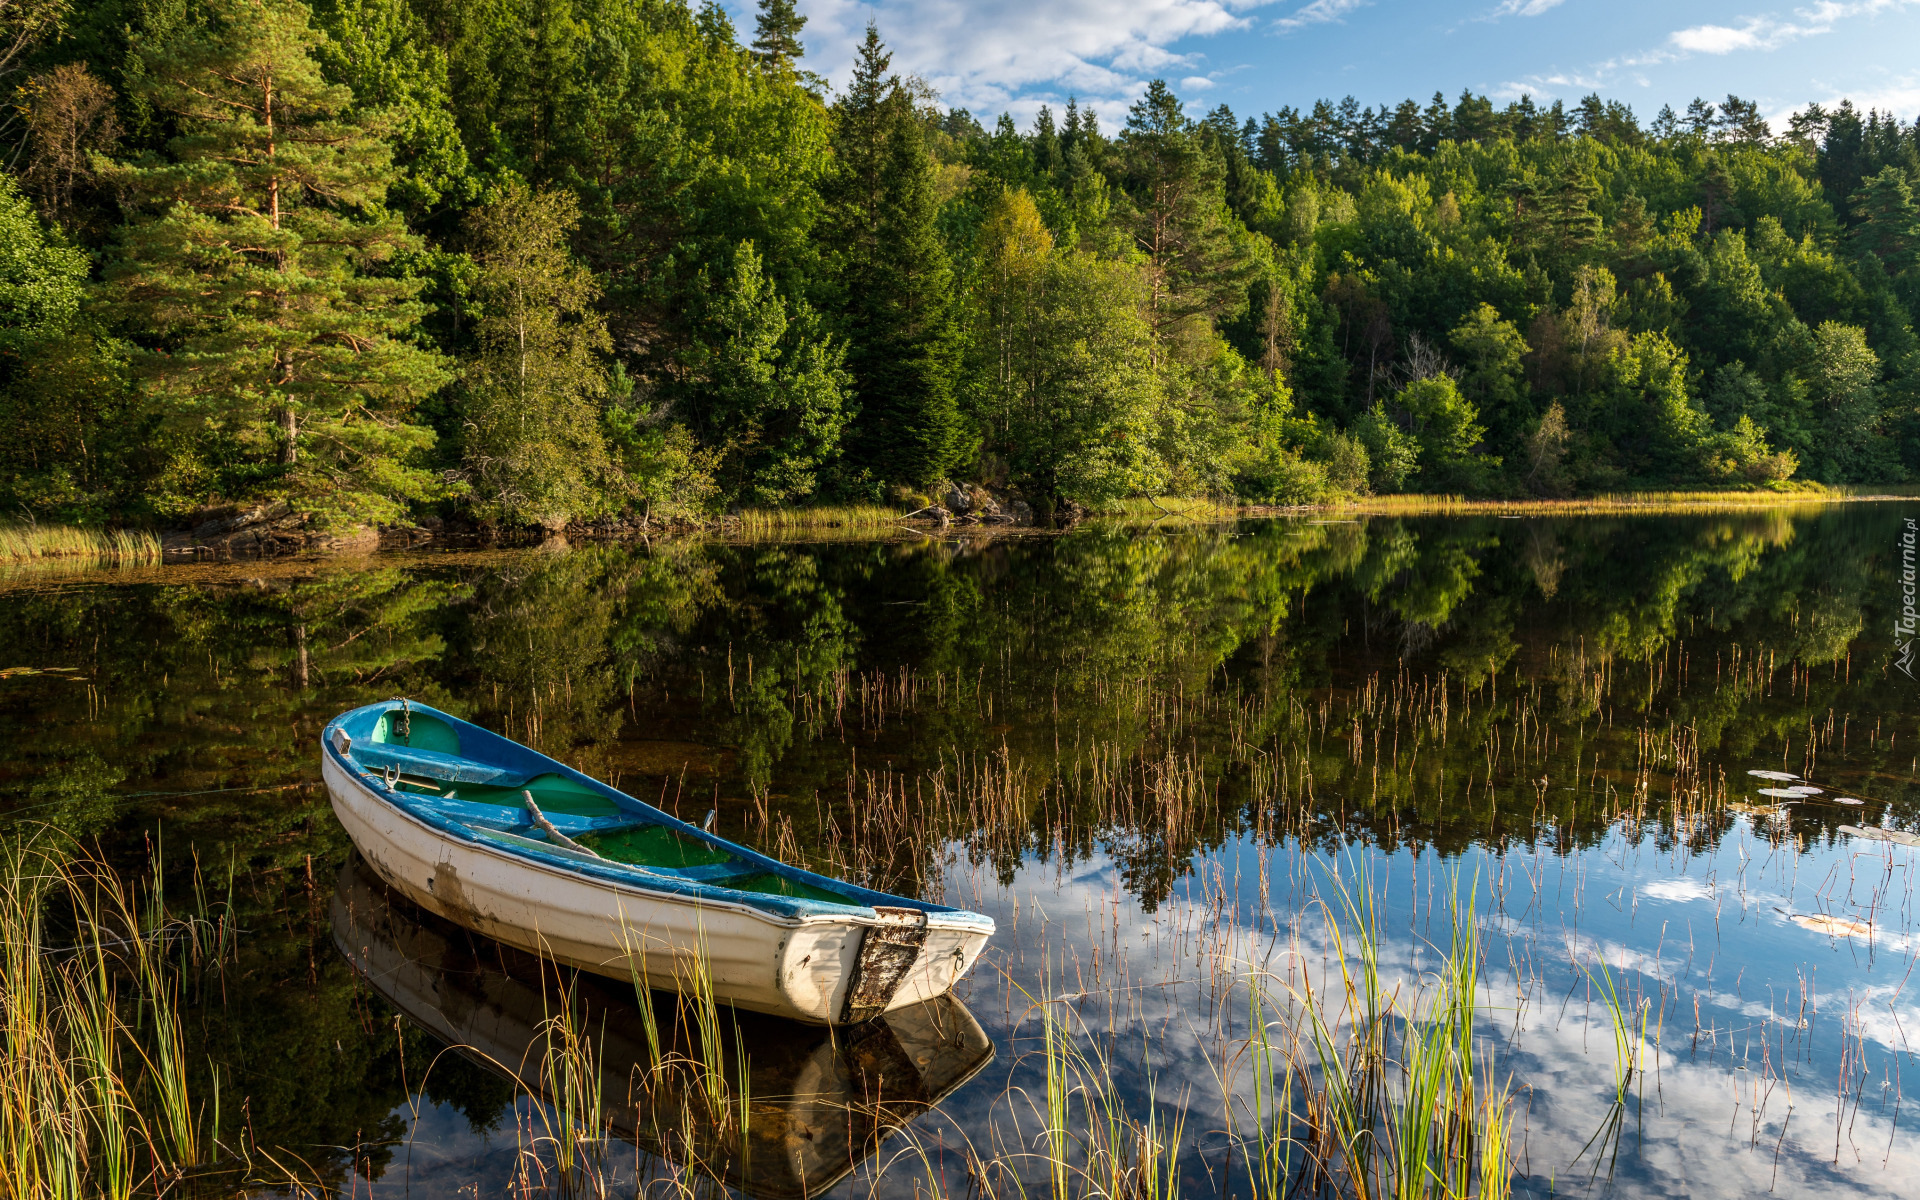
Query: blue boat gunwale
358, 724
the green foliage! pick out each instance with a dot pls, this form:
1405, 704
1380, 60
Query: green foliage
383, 52
42, 278
1493, 381
1278, 474
1843, 379
1068, 397
895, 280
252, 272
1652, 426
73, 431
671, 476
1348, 471
793, 299
1447, 428
1741, 454
533, 394
774, 400
1392, 454
1889, 221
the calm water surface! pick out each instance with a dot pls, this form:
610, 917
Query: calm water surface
1151, 755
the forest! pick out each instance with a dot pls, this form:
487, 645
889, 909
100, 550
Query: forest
551, 263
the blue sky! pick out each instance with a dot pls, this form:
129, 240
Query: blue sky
1258, 55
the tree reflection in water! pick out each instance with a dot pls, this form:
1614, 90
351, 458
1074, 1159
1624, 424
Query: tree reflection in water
1155, 703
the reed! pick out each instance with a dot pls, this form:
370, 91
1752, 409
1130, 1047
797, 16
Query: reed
35, 542
574, 1127
1638, 502
776, 522
1628, 1025
1091, 1142
726, 1098
94, 1090
1385, 1095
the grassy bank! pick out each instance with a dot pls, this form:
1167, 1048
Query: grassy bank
33, 543
1649, 501
776, 522
1162, 508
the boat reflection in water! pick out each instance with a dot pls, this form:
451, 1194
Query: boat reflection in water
819, 1101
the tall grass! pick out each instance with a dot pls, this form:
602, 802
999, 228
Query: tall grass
774, 522
574, 1122
95, 1098
690, 1099
1639, 502
34, 542
1091, 1142
1376, 1093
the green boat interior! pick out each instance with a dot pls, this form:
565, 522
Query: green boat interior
421, 760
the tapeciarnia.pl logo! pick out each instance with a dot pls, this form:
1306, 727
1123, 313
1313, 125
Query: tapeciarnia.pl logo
1909, 620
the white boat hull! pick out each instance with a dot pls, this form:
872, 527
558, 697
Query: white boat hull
801, 968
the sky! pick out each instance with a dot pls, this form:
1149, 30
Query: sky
994, 56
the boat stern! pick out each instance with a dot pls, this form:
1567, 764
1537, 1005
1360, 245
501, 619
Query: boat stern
840, 972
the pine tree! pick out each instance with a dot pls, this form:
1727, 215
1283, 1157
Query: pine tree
1889, 221
1700, 117
382, 50
774, 397
533, 397
776, 35
895, 280
1716, 194
1197, 261
251, 267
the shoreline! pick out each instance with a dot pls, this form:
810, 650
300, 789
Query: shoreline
80, 550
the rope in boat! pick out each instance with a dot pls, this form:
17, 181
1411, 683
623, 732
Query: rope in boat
547, 827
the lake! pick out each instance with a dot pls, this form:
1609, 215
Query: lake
1260, 809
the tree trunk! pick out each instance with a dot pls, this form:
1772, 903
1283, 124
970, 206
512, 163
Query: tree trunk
290, 431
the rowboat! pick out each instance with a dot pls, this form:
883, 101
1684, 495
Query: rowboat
820, 1101
509, 843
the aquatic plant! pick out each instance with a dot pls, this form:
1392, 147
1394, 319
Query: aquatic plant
34, 542
95, 1098
753, 523
1092, 1141
1380, 1094
1804, 492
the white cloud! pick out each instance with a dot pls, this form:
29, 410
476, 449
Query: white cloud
1013, 55
1194, 83
1756, 34
1679, 889
1746, 33
1320, 12
1526, 8
1900, 96
1766, 33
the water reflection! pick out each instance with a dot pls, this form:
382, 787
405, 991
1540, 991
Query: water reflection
1123, 744
819, 1101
